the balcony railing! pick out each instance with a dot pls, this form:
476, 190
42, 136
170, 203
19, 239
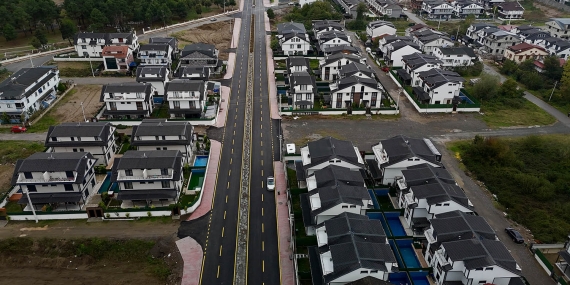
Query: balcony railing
147, 177
51, 179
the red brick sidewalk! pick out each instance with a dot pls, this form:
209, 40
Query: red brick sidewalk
271, 74
283, 226
223, 113
190, 249
209, 181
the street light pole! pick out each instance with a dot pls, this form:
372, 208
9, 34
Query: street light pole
31, 61
398, 104
552, 91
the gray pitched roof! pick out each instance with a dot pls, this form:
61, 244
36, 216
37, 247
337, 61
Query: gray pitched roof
162, 40
301, 78
401, 147
401, 44
457, 225
332, 196
392, 38
288, 27
101, 130
53, 161
417, 60
291, 35
352, 80
202, 71
480, 253
348, 226
354, 68
185, 85
338, 56
127, 36
159, 71
440, 192
457, 51
328, 148
14, 87
206, 49
297, 61
128, 87
88, 35
424, 174
155, 159
329, 35
149, 127
376, 24
326, 24
341, 49
437, 77
154, 47
335, 175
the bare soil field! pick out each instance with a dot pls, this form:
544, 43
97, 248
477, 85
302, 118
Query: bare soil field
218, 34
69, 109
548, 11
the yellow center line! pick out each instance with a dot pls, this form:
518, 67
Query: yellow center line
231, 159
222, 234
220, 250
262, 245
261, 127
228, 185
262, 212
262, 174
263, 266
261, 197
218, 275
226, 198
232, 151
230, 173
234, 132
262, 227
232, 141
262, 162
224, 215
261, 141
262, 152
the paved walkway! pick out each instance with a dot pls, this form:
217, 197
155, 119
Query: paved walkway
23, 137
190, 250
271, 86
209, 181
223, 113
283, 225
99, 80
563, 118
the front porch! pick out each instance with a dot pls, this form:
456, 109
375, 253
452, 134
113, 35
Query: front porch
56, 202
147, 198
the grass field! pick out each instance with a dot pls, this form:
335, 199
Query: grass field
504, 116
10, 152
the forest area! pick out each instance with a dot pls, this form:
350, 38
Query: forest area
36, 18
530, 177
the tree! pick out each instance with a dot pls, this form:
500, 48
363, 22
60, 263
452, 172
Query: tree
198, 9
509, 89
9, 32
36, 43
181, 10
98, 20
40, 34
564, 92
509, 67
486, 88
68, 29
360, 10
270, 14
552, 68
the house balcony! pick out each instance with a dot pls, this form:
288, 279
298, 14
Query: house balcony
144, 177
183, 97
402, 184
441, 259
45, 179
380, 154
409, 200
429, 236
123, 98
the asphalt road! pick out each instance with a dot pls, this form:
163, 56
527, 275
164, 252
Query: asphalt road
263, 258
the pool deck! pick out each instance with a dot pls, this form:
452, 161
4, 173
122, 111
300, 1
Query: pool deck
405, 226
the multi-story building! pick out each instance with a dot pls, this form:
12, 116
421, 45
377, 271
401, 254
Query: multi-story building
438, 87
62, 180
559, 27
92, 44
157, 76
414, 64
148, 178
397, 49
455, 56
437, 9
97, 138
428, 40
297, 64
193, 72
302, 89
200, 54
510, 11
156, 54
333, 38
495, 43
117, 58
186, 98
27, 91
523, 51
127, 100
162, 135
330, 176
295, 43
330, 151
330, 65
322, 26
380, 28
356, 91
464, 8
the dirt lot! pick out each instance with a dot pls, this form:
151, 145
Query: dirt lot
69, 108
548, 11
218, 34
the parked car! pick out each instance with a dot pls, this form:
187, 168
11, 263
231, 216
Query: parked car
385, 69
515, 235
18, 129
270, 183
213, 20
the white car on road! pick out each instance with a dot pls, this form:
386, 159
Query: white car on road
270, 183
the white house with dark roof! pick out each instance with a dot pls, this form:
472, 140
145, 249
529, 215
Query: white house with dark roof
398, 153
129, 100
330, 65
454, 226
351, 248
438, 86
28, 90
464, 8
397, 49
474, 261
186, 98
291, 27
559, 27
333, 175
96, 138
346, 49
162, 135
330, 151
156, 54
89, 44
297, 64
455, 56
437, 9
356, 69
426, 191
322, 26
172, 42
333, 38
472, 33
148, 178
380, 28
193, 73
157, 76
295, 43
200, 54
119, 39
62, 180
383, 42
324, 203
414, 64
302, 89
428, 40
512, 10
356, 90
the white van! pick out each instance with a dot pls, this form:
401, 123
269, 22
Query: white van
291, 4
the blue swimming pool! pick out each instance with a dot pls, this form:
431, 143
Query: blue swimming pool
399, 278
393, 219
374, 200
107, 186
201, 160
383, 191
408, 254
419, 278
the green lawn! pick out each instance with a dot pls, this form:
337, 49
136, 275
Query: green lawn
126, 146
161, 112
279, 77
185, 200
292, 176
13, 207
11, 151
314, 64
401, 25
497, 116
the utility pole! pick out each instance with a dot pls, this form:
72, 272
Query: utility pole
552, 91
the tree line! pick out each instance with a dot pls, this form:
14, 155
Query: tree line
31, 16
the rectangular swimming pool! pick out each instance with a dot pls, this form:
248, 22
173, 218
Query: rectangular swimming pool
196, 179
373, 197
201, 160
399, 278
408, 253
419, 278
393, 220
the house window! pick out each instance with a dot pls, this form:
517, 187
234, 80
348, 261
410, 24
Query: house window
128, 172
446, 204
128, 185
158, 148
32, 188
164, 171
68, 187
339, 104
28, 175
373, 271
72, 139
309, 96
438, 204
165, 184
479, 269
488, 268
74, 150
364, 272
176, 104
